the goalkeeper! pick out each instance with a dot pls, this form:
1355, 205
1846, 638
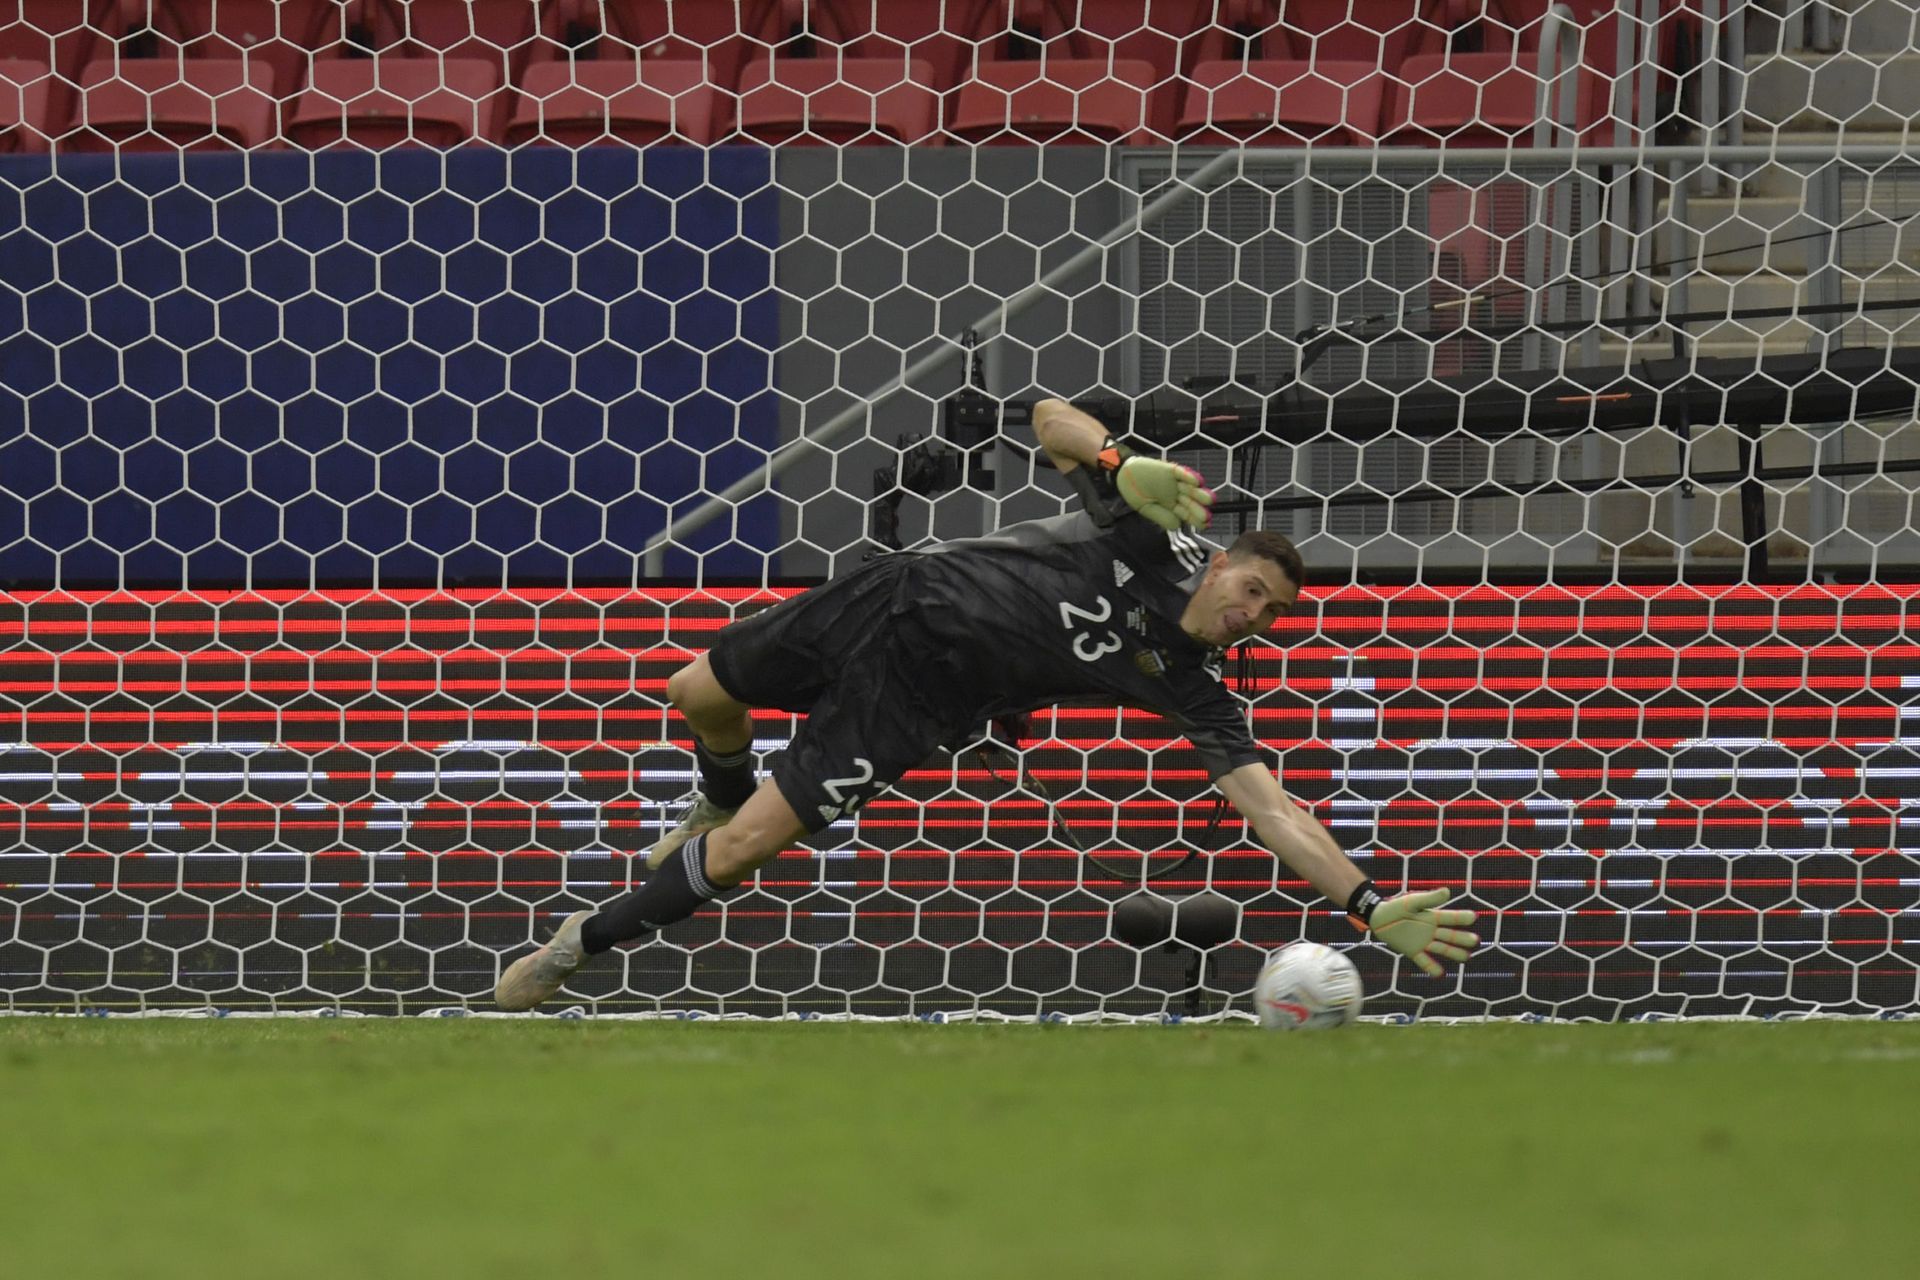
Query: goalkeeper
911, 651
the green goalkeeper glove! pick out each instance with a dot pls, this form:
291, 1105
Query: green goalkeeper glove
1409, 924
1165, 493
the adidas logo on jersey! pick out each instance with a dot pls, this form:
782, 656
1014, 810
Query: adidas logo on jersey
1122, 573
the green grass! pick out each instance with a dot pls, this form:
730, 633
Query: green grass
453, 1148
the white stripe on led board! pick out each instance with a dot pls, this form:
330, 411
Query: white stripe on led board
469, 744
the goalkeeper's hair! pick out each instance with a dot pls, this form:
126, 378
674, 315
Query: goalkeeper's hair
1271, 546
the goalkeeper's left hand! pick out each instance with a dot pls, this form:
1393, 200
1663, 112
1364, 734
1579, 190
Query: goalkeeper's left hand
1409, 923
1166, 493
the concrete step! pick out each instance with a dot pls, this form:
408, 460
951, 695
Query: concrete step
1860, 26
1810, 90
1791, 180
1735, 235
1763, 33
1708, 293
1737, 340
1761, 233
1880, 26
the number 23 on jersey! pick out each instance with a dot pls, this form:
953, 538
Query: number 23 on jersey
1085, 647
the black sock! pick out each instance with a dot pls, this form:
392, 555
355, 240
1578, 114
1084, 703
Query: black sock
726, 780
672, 893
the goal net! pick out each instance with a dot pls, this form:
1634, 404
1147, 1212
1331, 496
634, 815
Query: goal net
392, 396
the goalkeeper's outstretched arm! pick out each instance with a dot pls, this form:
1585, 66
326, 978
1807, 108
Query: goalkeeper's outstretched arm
1411, 923
1071, 438
1166, 493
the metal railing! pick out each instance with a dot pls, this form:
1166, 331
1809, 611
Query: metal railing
1604, 203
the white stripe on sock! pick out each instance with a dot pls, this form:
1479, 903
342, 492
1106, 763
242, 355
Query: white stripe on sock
693, 856
743, 756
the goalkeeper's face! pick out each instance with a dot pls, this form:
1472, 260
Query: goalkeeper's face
1238, 599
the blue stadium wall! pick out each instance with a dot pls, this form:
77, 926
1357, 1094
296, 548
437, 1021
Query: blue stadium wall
469, 367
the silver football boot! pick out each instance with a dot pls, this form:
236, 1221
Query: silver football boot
532, 979
702, 816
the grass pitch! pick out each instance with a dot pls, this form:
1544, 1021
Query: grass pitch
454, 1148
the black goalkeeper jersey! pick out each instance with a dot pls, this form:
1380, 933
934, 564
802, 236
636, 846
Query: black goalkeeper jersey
915, 650
1066, 610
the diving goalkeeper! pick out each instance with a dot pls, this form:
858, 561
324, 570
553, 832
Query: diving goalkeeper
914, 650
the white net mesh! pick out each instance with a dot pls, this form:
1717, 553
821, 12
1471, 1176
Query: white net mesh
395, 394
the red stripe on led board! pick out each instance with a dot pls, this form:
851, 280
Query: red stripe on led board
536, 650
1385, 715
1140, 810
1280, 637
572, 746
1814, 684
402, 628
1478, 593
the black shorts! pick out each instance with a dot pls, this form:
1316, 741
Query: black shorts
851, 656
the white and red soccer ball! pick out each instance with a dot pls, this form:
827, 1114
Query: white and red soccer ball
1307, 987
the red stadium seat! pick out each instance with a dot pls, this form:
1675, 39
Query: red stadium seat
1461, 99
279, 33
499, 32
24, 87
644, 31
1267, 103
496, 34
156, 104
1047, 101
1505, 24
1359, 70
578, 104
1677, 36
1486, 90
1383, 32
1043, 74
391, 101
928, 31
640, 73
501, 29
1167, 34
837, 100
59, 35
809, 87
1677, 20
1479, 83
1317, 73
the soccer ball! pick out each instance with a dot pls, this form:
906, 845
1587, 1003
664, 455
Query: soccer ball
1307, 987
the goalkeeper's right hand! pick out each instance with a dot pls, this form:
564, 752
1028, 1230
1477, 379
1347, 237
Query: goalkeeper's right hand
1164, 492
1409, 923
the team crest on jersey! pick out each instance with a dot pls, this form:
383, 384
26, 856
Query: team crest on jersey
1122, 573
1150, 662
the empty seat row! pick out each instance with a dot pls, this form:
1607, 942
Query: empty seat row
152, 74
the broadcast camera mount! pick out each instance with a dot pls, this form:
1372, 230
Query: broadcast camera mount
970, 425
